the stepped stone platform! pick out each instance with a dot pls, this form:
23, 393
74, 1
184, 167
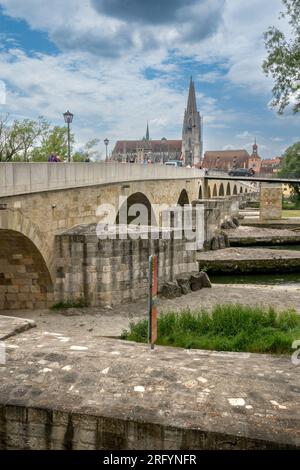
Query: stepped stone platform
61, 391
254, 236
253, 220
248, 260
10, 326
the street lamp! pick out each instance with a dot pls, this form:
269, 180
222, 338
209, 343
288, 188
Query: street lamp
106, 141
68, 117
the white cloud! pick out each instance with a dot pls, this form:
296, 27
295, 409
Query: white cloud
99, 73
244, 135
2, 93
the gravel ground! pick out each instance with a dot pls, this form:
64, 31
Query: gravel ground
97, 322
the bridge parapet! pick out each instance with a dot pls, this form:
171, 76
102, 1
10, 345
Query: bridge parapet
26, 178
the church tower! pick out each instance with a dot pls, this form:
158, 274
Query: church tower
192, 131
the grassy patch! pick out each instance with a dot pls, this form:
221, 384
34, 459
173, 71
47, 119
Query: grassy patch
78, 303
291, 213
227, 328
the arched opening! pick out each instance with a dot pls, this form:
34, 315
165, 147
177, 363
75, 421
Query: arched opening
25, 280
183, 198
235, 189
228, 190
144, 216
246, 190
200, 196
221, 190
241, 189
215, 192
209, 193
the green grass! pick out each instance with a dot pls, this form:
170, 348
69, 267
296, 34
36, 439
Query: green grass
291, 213
227, 328
78, 303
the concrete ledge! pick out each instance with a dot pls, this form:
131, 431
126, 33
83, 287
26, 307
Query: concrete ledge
25, 178
250, 236
98, 394
10, 326
247, 260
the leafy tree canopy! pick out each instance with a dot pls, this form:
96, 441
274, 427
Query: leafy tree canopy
34, 140
283, 60
291, 167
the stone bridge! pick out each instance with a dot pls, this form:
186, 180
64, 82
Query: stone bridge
42, 201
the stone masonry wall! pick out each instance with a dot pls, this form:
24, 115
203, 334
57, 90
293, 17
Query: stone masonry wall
24, 280
36, 429
112, 271
270, 201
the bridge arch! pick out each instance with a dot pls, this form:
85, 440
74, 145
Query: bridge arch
136, 199
228, 192
234, 189
215, 191
24, 275
200, 195
183, 198
241, 189
221, 190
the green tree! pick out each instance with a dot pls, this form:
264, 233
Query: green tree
283, 60
54, 141
88, 151
291, 168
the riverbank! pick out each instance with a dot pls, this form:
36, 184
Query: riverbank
96, 322
258, 236
249, 260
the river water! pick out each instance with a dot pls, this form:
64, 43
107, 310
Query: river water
288, 279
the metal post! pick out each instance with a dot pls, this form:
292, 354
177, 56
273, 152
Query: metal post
69, 143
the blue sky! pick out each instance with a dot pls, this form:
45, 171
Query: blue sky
118, 63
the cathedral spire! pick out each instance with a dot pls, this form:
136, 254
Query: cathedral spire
147, 132
192, 130
192, 105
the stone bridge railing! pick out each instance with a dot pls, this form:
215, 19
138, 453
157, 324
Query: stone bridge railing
26, 178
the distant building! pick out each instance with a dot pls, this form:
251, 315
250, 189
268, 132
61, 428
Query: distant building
189, 149
230, 159
226, 159
270, 166
139, 151
255, 160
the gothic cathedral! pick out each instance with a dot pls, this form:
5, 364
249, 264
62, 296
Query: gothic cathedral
192, 131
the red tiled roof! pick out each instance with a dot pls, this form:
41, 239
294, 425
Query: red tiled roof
130, 146
225, 158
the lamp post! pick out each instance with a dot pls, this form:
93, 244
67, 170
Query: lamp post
68, 117
106, 141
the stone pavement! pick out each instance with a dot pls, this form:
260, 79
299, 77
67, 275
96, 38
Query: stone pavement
248, 236
76, 391
97, 322
10, 326
249, 260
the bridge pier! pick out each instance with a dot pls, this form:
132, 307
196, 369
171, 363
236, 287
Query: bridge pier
270, 201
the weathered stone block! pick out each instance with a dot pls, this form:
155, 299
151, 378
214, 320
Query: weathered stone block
170, 290
184, 284
200, 280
